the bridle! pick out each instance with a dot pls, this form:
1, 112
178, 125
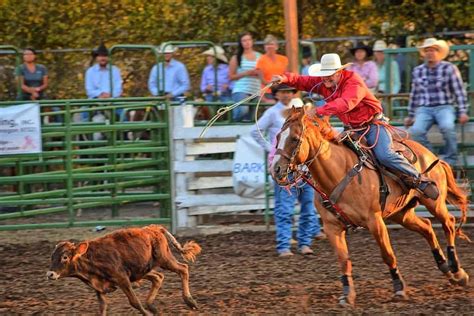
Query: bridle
296, 170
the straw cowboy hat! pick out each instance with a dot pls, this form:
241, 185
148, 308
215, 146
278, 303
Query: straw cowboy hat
168, 49
379, 46
219, 54
368, 49
441, 45
330, 64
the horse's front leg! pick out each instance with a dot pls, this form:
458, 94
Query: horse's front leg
378, 229
337, 238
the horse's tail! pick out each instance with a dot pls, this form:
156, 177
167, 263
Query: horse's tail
457, 197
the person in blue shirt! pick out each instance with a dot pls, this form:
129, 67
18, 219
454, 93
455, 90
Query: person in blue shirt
308, 228
208, 85
98, 79
176, 77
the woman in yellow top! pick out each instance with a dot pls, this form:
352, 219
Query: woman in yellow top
271, 64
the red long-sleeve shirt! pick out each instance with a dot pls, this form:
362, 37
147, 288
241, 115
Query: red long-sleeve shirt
352, 103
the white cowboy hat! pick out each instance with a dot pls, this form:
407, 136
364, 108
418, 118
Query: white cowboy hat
442, 46
379, 46
219, 54
296, 102
330, 64
168, 49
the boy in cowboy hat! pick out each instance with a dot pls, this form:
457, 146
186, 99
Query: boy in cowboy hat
271, 123
436, 85
176, 75
351, 101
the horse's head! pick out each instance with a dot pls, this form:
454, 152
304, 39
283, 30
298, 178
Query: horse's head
298, 141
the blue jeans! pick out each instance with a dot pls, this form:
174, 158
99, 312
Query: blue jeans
308, 226
384, 152
444, 116
86, 114
242, 111
224, 97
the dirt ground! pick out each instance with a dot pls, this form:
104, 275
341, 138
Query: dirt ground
239, 273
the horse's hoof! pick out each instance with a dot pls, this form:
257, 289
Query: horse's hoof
400, 296
190, 302
460, 278
152, 308
347, 302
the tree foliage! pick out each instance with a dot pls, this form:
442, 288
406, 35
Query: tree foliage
46, 25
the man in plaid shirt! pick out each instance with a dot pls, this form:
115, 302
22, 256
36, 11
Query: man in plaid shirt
436, 86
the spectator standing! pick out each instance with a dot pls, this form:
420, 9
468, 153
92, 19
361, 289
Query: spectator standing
33, 77
379, 47
306, 61
436, 86
242, 70
208, 84
364, 67
271, 123
99, 79
271, 64
176, 77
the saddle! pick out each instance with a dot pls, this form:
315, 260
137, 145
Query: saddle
369, 160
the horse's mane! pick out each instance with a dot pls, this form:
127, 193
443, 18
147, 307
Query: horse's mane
320, 126
323, 126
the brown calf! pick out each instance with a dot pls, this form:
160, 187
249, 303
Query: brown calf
122, 257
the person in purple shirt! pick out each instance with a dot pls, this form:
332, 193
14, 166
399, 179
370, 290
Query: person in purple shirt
208, 84
364, 67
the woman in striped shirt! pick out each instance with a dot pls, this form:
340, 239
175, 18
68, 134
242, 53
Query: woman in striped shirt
244, 74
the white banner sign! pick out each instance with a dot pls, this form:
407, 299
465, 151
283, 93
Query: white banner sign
20, 129
249, 168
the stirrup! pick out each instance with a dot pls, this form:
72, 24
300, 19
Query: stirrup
428, 188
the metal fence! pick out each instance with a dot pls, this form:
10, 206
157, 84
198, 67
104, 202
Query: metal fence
89, 166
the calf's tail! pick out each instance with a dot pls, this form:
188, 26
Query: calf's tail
189, 251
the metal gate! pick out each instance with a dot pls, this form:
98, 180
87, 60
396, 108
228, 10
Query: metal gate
88, 167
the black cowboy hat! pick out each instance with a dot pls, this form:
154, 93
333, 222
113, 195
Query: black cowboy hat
368, 49
100, 51
282, 87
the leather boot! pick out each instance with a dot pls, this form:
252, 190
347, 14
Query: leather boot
423, 185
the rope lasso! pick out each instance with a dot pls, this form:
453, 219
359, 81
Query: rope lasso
226, 109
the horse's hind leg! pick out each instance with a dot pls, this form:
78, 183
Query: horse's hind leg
378, 229
337, 238
447, 220
421, 225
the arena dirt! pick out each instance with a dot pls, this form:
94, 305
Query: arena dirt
239, 273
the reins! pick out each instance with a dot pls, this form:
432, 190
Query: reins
296, 173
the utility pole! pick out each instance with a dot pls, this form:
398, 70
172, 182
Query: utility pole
291, 34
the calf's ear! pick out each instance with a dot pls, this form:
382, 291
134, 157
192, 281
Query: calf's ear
81, 249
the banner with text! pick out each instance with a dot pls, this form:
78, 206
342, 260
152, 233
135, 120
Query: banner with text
20, 129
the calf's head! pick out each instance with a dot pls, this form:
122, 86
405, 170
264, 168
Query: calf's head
63, 259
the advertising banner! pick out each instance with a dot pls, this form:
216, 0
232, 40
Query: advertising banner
20, 129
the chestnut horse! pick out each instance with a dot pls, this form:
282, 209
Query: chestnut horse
313, 142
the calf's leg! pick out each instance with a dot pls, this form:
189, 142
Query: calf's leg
126, 287
170, 263
156, 279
